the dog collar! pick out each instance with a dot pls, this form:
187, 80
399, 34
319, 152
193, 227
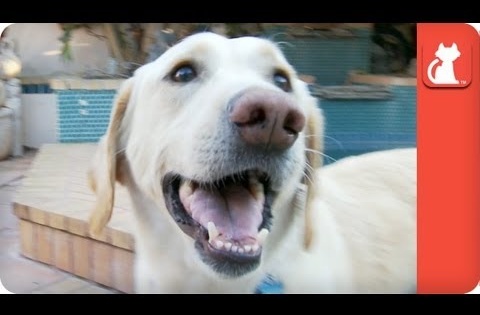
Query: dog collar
269, 285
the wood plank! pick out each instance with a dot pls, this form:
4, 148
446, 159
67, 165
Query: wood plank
55, 193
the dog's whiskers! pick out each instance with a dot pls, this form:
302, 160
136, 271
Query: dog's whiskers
320, 153
307, 175
335, 140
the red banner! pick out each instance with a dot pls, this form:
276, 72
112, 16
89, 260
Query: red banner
448, 127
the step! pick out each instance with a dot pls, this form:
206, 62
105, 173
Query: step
53, 205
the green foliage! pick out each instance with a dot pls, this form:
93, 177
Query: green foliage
66, 37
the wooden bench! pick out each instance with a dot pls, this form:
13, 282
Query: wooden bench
53, 205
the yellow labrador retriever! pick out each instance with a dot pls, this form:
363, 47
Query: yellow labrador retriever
219, 144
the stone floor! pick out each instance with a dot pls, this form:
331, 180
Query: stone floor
17, 273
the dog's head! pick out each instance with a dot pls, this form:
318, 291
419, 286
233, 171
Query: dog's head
216, 132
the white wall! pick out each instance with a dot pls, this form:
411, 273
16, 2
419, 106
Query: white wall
38, 47
39, 118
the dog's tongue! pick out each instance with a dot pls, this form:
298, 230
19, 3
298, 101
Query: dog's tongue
236, 213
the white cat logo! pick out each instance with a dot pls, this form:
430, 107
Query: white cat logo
444, 73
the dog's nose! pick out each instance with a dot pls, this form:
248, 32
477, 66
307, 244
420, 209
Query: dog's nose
267, 119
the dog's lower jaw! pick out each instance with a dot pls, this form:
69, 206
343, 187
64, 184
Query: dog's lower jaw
166, 260
187, 277
174, 277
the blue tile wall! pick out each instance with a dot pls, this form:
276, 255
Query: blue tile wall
83, 115
36, 89
352, 126
360, 126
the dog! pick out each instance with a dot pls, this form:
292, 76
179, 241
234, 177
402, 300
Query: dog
220, 146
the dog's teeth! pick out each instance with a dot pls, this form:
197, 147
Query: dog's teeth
255, 186
241, 250
255, 247
247, 248
219, 244
234, 248
186, 189
212, 231
228, 245
262, 235
185, 193
260, 195
257, 189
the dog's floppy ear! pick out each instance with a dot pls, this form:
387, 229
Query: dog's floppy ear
104, 169
314, 130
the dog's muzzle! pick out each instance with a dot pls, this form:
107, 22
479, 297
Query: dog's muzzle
229, 214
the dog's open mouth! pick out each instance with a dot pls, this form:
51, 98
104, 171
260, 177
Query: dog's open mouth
228, 218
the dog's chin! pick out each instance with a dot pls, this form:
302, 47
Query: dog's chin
228, 219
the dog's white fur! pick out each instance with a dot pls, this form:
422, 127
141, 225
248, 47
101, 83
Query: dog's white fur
348, 227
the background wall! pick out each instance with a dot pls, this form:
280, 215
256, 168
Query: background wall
39, 47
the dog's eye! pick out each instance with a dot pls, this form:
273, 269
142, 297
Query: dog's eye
184, 74
281, 80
